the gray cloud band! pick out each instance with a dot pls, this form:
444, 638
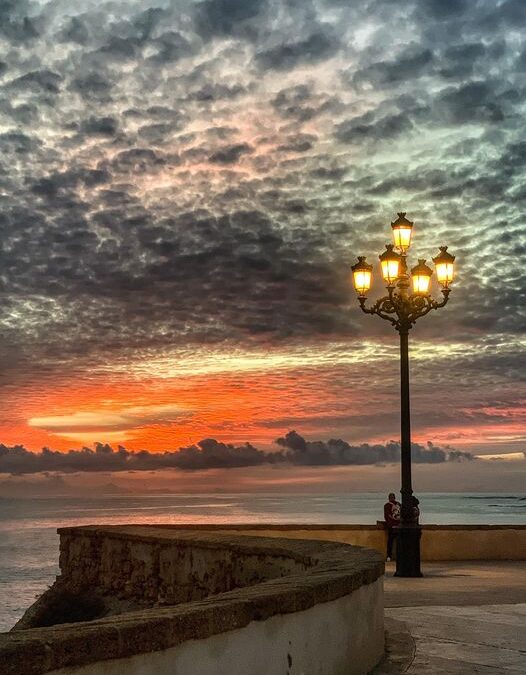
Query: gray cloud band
204, 172
212, 454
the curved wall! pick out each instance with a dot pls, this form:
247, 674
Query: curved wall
263, 607
342, 637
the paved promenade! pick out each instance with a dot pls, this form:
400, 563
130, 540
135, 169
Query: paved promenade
461, 619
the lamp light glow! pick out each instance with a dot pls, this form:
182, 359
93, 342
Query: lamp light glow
390, 262
362, 274
402, 231
401, 308
444, 265
421, 276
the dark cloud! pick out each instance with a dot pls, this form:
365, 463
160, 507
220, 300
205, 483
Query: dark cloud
104, 126
92, 84
17, 29
136, 159
317, 46
441, 10
230, 153
45, 80
298, 143
74, 30
171, 46
367, 128
201, 174
413, 62
337, 452
18, 142
212, 454
458, 61
510, 13
471, 103
228, 17
215, 92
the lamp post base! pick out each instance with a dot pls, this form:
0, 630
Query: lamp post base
408, 551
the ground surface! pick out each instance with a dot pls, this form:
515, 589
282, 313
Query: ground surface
460, 618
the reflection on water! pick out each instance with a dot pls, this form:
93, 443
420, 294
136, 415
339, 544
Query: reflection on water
29, 543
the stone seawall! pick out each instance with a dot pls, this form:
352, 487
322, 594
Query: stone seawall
134, 563
161, 600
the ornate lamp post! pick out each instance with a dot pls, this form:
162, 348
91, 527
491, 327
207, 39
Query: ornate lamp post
402, 307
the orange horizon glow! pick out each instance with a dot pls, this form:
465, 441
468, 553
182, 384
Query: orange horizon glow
254, 406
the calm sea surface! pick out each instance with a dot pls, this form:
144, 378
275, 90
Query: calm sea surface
29, 543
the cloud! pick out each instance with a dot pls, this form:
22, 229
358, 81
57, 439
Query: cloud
471, 103
102, 420
413, 62
228, 17
338, 452
230, 154
319, 45
44, 80
212, 454
368, 128
203, 174
504, 457
104, 126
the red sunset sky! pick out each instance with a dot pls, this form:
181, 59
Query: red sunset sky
183, 191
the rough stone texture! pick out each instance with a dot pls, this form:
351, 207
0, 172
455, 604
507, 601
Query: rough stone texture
147, 565
326, 639
237, 579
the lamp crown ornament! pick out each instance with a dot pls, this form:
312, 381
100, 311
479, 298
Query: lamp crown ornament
402, 220
389, 252
401, 306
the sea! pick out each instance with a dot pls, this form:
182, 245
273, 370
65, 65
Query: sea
29, 542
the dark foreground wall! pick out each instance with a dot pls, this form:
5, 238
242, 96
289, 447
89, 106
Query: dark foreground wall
168, 601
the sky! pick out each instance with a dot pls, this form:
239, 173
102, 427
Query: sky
183, 189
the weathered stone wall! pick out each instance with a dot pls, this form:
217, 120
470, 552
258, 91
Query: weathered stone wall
317, 603
341, 637
130, 564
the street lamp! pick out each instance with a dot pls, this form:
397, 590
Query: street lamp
402, 308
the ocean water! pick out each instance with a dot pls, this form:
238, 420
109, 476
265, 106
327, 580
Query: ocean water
29, 543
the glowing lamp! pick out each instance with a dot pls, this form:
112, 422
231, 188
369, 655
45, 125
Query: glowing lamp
402, 230
390, 262
421, 275
362, 273
444, 265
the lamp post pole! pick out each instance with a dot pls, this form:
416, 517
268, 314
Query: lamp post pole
408, 546
402, 308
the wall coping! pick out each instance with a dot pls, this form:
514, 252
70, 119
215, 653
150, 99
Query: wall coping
334, 570
218, 527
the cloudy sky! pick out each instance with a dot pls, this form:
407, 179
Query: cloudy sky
184, 186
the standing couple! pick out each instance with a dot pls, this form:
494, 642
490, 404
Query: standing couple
392, 512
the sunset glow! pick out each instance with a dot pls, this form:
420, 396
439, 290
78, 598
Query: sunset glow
186, 186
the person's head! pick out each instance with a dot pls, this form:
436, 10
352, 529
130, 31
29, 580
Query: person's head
392, 497
415, 501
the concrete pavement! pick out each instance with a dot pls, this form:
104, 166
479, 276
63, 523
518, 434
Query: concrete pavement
459, 619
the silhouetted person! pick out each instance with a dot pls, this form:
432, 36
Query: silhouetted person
392, 520
415, 510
